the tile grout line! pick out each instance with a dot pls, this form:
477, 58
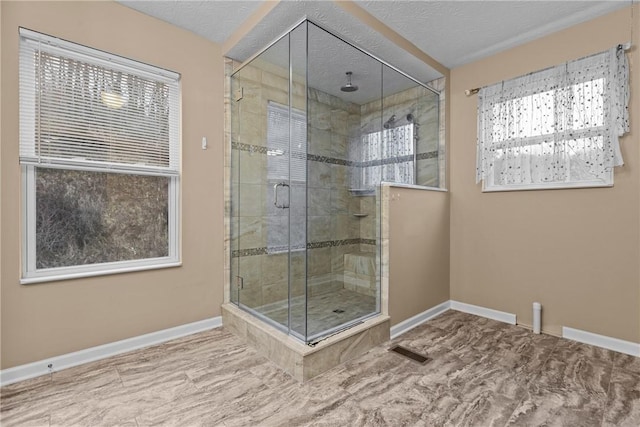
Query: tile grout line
119, 376
196, 386
532, 380
606, 396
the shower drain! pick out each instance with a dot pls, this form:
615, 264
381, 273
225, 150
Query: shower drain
337, 310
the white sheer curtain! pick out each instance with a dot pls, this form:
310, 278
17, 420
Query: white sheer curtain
388, 156
559, 125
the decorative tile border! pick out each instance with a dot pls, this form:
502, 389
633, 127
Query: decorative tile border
332, 243
248, 252
387, 161
400, 159
248, 147
429, 155
311, 245
331, 160
336, 161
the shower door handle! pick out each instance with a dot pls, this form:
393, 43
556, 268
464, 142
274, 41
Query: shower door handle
275, 195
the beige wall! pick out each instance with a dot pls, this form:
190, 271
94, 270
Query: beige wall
418, 251
49, 319
575, 251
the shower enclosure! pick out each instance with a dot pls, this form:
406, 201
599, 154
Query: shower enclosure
316, 126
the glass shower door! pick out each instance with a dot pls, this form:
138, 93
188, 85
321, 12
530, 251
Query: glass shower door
262, 185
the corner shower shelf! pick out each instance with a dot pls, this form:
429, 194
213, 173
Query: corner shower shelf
360, 215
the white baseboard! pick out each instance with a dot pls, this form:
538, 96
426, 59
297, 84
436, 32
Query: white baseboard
615, 344
489, 313
35, 369
418, 319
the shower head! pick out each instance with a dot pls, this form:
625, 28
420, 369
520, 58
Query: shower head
389, 122
349, 87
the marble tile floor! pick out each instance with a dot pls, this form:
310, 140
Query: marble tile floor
481, 373
320, 312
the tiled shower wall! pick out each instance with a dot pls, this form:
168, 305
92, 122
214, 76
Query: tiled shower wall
440, 86
333, 230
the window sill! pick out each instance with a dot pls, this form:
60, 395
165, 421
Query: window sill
550, 186
54, 277
413, 186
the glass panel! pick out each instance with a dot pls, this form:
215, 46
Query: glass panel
399, 132
429, 148
95, 217
299, 178
236, 97
410, 134
411, 131
341, 273
263, 202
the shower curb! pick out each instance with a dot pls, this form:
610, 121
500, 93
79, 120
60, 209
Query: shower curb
301, 361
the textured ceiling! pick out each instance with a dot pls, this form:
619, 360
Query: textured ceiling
458, 32
452, 32
213, 20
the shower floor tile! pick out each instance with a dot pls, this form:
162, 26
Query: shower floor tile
324, 311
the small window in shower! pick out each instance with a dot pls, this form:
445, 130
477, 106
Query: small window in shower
389, 156
278, 144
286, 175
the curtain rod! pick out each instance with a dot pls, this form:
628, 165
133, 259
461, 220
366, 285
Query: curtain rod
623, 46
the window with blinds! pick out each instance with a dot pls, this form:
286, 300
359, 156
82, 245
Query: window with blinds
279, 164
289, 169
82, 107
100, 151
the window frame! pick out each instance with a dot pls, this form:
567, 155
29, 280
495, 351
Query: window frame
30, 273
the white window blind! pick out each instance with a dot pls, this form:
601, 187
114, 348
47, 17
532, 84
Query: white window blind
87, 109
278, 129
555, 128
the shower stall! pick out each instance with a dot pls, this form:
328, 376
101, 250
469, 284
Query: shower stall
316, 126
